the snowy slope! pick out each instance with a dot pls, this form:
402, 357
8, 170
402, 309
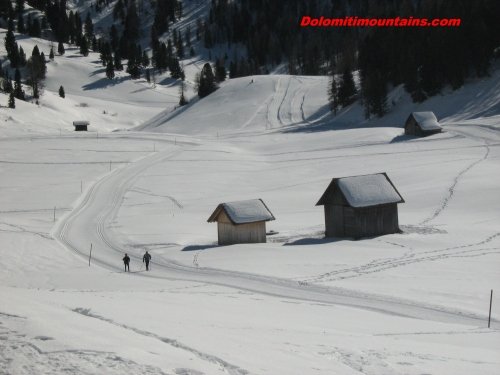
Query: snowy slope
108, 105
297, 103
409, 303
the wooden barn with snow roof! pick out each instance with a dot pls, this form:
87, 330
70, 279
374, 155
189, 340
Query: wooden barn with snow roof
241, 221
361, 206
422, 124
81, 126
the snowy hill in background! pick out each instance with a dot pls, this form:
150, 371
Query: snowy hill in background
299, 103
407, 303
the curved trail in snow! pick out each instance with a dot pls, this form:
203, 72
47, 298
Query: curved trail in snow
96, 210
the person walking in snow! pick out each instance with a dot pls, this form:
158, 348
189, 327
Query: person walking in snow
145, 259
126, 262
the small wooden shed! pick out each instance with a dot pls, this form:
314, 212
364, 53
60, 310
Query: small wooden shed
241, 221
361, 206
422, 124
80, 126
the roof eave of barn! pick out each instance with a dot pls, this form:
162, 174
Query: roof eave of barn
221, 207
333, 183
322, 200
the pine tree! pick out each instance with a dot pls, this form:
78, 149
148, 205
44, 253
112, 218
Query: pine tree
333, 95
51, 54
347, 89
110, 70
60, 48
119, 11
22, 57
36, 68
131, 30
12, 48
62, 94
145, 59
105, 55
114, 38
220, 71
20, 24
206, 81
133, 64
12, 100
182, 98
18, 89
175, 69
118, 61
89, 27
84, 48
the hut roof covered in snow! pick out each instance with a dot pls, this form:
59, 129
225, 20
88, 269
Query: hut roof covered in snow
426, 120
243, 212
363, 191
81, 123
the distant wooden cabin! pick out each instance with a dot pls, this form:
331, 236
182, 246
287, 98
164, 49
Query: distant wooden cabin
422, 124
80, 126
241, 222
361, 206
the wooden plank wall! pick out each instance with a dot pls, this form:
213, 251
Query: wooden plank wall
242, 233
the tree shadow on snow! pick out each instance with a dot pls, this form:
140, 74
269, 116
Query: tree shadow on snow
104, 82
199, 247
402, 138
314, 241
168, 82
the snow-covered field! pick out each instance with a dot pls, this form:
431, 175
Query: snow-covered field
410, 303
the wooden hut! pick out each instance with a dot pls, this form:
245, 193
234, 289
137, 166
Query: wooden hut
241, 222
361, 206
80, 126
422, 124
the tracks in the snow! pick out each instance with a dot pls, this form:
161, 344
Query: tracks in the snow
226, 366
90, 220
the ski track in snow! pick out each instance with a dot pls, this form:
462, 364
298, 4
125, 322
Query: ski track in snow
410, 257
91, 218
451, 189
487, 142
226, 366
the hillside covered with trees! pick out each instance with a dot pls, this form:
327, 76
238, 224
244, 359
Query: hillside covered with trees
250, 37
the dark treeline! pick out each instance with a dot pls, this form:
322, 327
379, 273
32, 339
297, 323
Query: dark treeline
423, 59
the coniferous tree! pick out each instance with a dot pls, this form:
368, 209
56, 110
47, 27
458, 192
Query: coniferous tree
145, 59
114, 38
18, 89
12, 48
175, 69
89, 27
110, 70
60, 48
131, 30
206, 81
333, 94
12, 100
347, 90
182, 98
22, 57
105, 55
118, 61
62, 94
133, 64
84, 48
220, 70
51, 54
36, 68
20, 24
